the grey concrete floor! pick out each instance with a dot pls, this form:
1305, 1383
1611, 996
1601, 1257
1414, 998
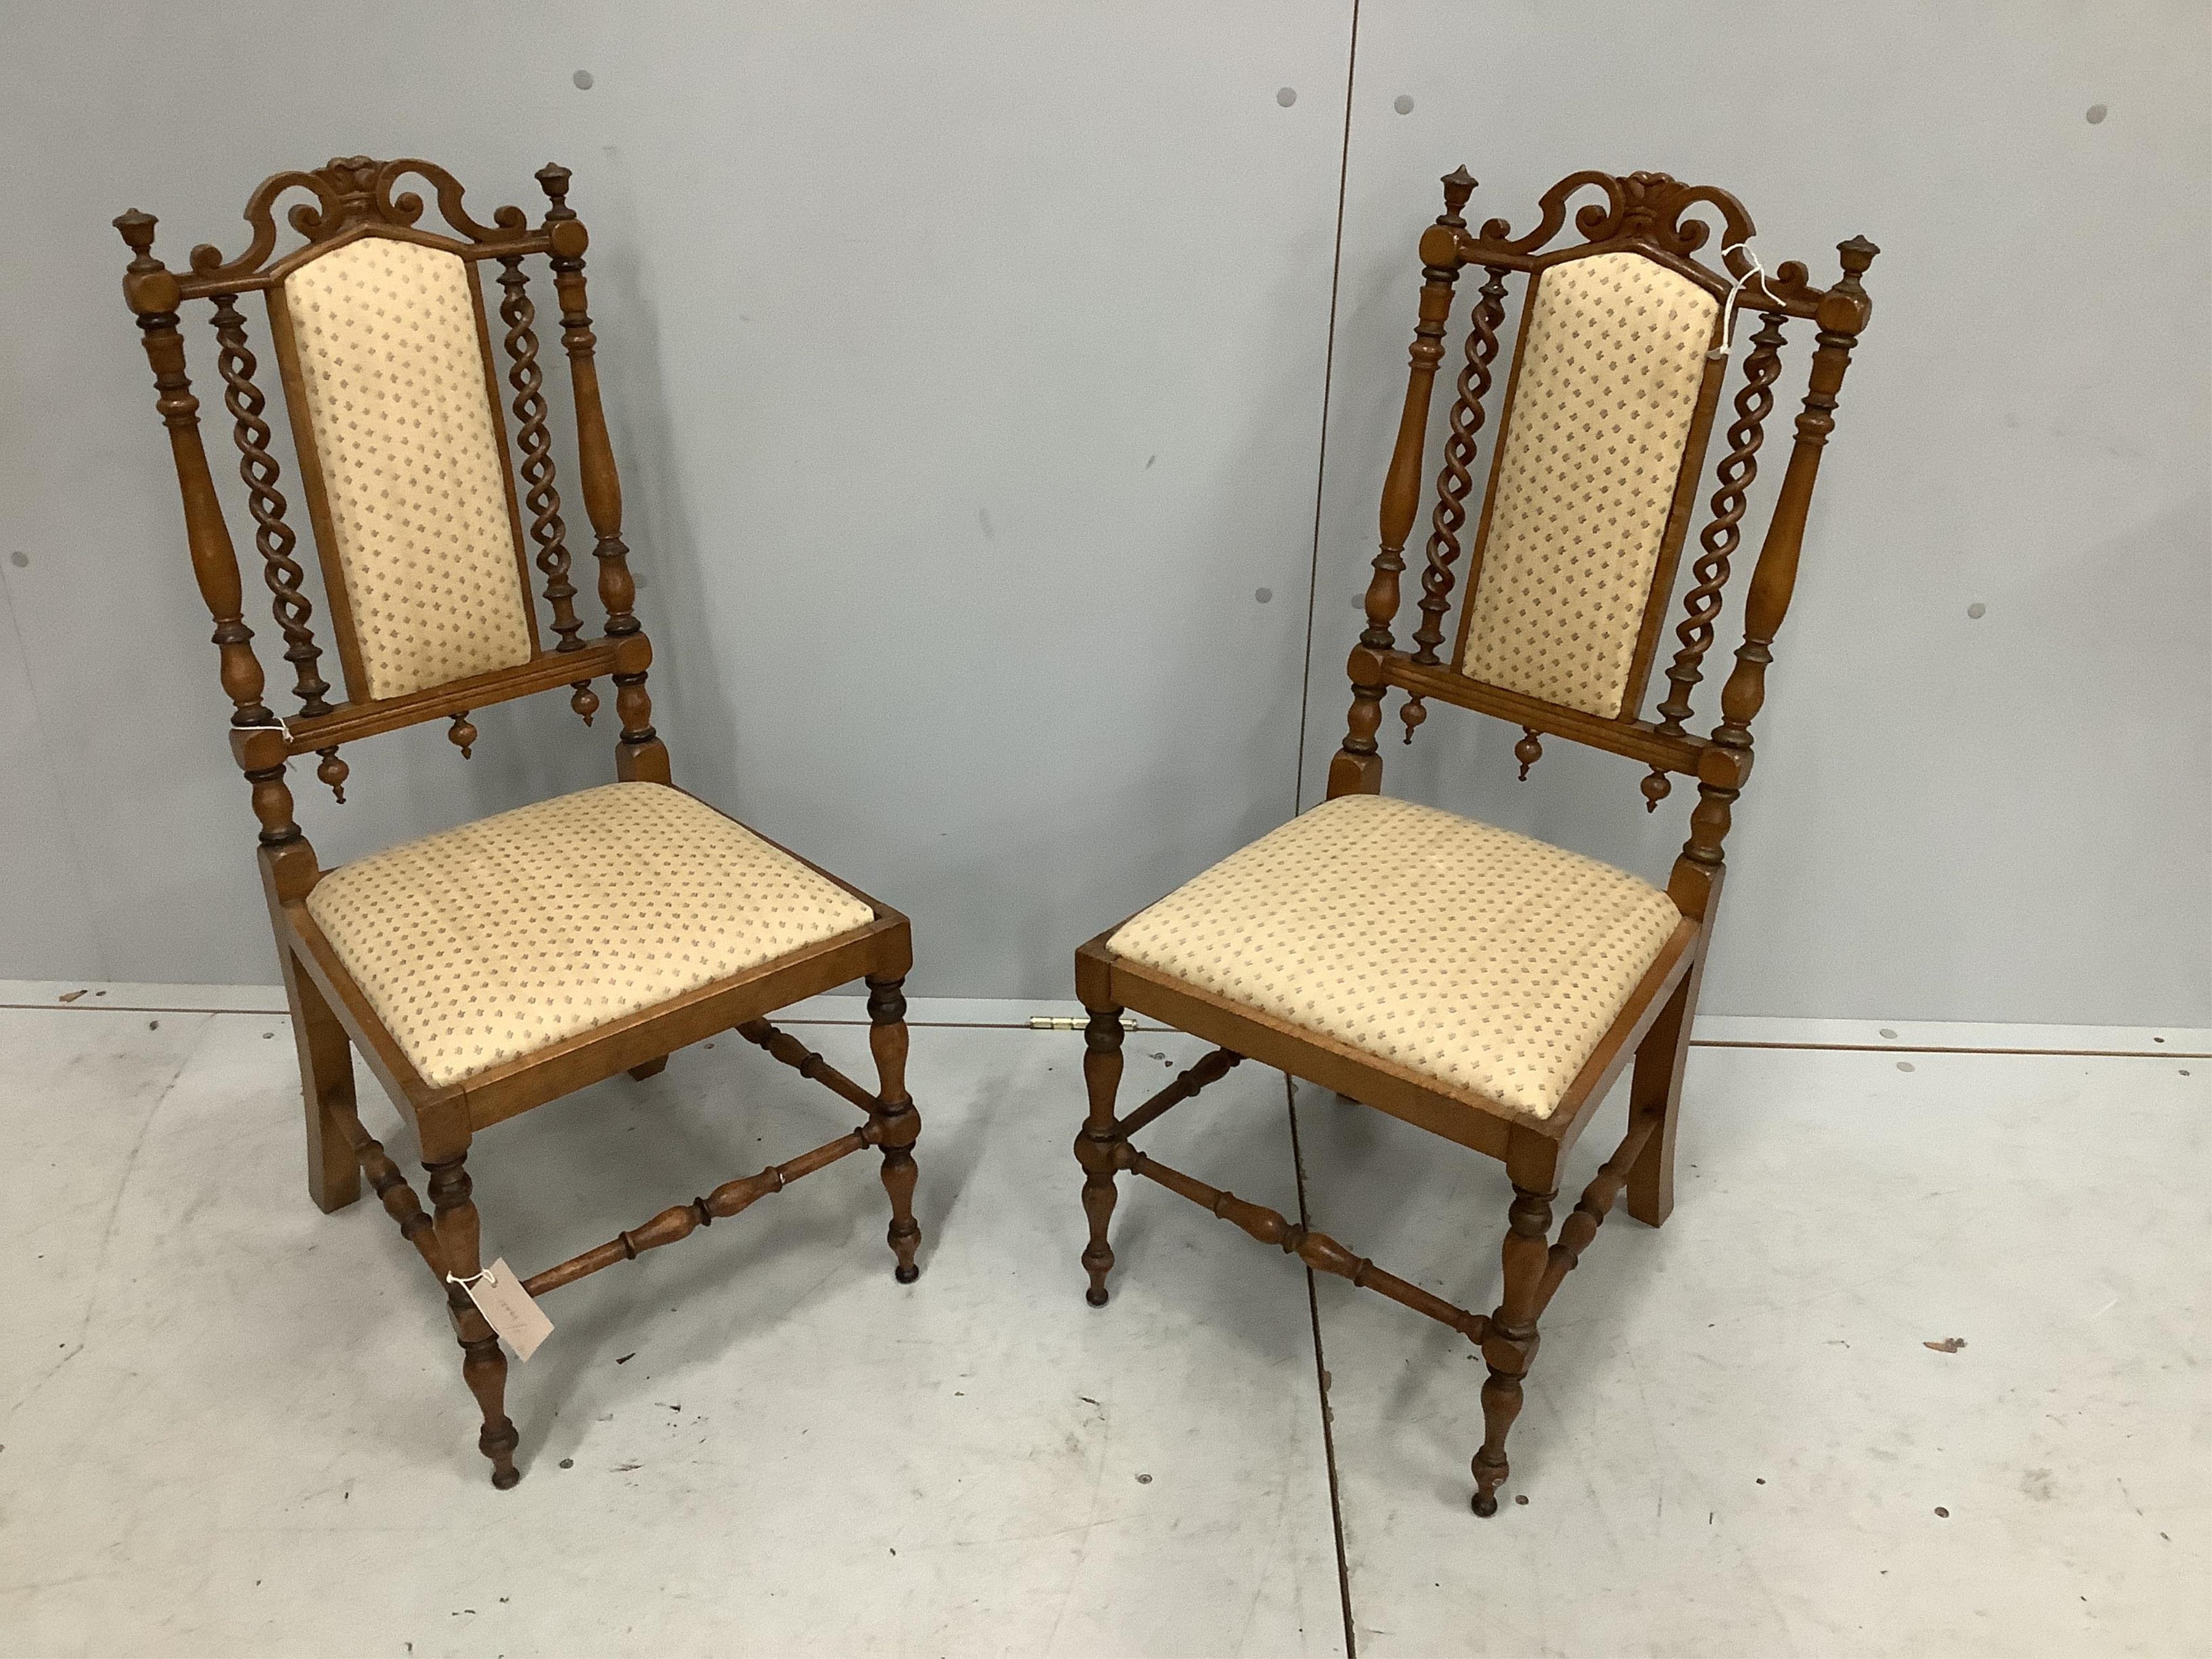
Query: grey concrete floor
230, 1425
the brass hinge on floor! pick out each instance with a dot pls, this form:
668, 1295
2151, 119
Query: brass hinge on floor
1070, 1023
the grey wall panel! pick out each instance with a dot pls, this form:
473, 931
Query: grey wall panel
2001, 818
46, 922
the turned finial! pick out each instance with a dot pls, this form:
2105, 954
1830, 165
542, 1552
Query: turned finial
333, 772
137, 230
1849, 308
1528, 751
1856, 254
461, 734
553, 179
1459, 185
1413, 712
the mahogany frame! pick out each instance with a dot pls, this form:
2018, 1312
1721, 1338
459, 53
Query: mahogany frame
355, 197
1644, 213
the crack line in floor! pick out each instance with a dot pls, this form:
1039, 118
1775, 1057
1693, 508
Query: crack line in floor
1321, 1377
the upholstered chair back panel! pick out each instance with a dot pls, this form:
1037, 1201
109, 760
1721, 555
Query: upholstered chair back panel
392, 373
1612, 358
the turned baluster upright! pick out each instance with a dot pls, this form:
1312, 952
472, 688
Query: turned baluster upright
640, 754
1725, 763
256, 741
1357, 768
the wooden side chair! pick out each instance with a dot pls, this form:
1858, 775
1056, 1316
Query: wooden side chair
495, 967
1487, 986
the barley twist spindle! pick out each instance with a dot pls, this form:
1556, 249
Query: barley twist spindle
1456, 480
542, 494
1720, 539
272, 534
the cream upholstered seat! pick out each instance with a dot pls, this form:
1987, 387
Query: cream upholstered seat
1488, 961
502, 937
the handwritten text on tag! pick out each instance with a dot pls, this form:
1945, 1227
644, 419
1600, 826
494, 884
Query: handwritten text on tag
508, 1309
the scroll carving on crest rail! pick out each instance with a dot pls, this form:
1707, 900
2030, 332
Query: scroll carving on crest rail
348, 192
1643, 206
1659, 214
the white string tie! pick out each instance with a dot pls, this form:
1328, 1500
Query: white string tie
1720, 352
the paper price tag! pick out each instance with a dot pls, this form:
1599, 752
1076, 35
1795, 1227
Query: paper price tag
508, 1309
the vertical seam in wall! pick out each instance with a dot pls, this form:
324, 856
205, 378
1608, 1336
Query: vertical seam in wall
1321, 1380
1328, 375
99, 957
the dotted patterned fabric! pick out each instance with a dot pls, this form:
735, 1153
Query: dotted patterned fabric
1484, 960
393, 372
1613, 355
505, 936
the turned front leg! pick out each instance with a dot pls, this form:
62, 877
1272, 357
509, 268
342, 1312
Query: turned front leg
1357, 768
1509, 1344
1098, 1144
895, 1116
483, 1367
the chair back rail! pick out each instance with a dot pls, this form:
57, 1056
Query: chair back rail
350, 200
1634, 320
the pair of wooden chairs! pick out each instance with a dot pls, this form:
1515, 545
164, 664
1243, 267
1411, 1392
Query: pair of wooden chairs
1484, 986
